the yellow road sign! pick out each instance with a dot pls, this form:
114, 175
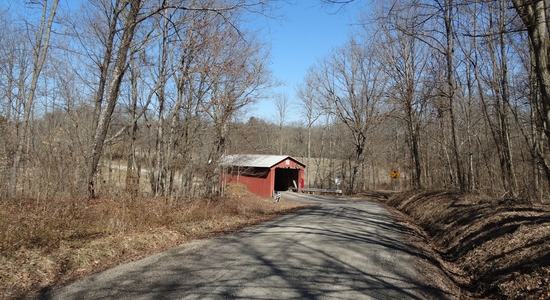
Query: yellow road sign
394, 174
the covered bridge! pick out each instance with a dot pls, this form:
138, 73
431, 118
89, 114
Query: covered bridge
263, 174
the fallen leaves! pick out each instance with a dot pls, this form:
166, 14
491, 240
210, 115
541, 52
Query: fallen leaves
503, 247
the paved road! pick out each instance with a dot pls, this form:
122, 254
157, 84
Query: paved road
334, 250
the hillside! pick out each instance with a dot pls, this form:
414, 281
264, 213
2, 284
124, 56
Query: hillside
496, 249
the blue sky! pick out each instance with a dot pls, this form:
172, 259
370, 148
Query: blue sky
309, 31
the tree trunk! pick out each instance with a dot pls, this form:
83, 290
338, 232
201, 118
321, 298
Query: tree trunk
503, 108
104, 67
41, 51
451, 83
533, 13
113, 90
416, 157
359, 158
132, 171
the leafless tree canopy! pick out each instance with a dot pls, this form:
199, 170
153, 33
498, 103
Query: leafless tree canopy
462, 102
143, 98
146, 88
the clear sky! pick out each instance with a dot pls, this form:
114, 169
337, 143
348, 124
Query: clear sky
308, 31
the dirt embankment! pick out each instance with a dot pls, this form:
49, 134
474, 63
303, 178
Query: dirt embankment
496, 249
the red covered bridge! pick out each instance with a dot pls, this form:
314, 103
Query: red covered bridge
263, 174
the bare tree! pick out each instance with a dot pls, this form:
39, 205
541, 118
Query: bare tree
351, 85
128, 23
122, 23
534, 14
447, 11
41, 46
406, 63
496, 104
433, 23
306, 94
235, 81
282, 106
158, 172
476, 98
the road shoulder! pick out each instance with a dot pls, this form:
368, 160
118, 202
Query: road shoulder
428, 263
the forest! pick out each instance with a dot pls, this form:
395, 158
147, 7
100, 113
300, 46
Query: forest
143, 98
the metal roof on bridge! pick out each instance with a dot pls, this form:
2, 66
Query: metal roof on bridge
255, 160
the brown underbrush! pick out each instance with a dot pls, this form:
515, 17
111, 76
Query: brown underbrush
44, 245
495, 249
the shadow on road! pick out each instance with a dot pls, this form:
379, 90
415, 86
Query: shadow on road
332, 250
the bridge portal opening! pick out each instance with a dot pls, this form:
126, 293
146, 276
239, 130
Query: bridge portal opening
286, 179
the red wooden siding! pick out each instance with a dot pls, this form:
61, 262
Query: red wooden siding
261, 181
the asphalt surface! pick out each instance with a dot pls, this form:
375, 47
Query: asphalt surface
337, 249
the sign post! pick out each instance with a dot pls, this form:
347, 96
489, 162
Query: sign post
394, 175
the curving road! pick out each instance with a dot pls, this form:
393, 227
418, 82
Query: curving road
334, 250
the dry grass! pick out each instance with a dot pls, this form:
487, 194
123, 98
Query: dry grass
492, 248
46, 245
